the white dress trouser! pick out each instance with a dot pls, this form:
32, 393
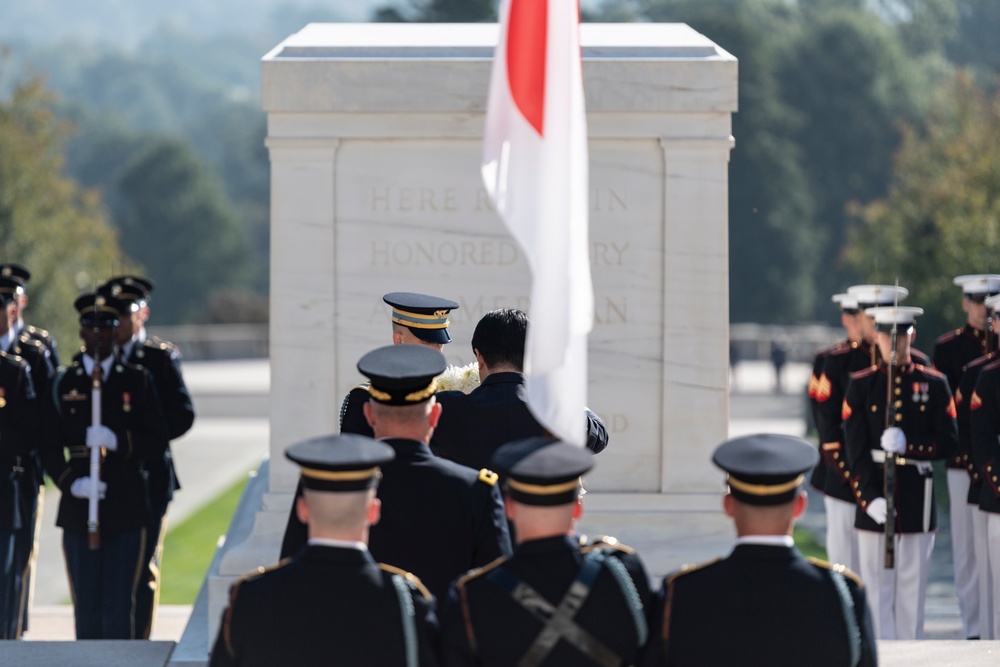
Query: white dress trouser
896, 596
992, 573
963, 553
980, 539
841, 536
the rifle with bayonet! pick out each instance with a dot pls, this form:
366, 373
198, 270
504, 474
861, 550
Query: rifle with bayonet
889, 467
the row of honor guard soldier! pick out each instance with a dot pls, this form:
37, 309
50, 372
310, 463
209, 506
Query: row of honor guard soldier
38, 350
556, 600
960, 354
981, 384
904, 410
332, 603
832, 372
130, 433
163, 362
439, 518
764, 604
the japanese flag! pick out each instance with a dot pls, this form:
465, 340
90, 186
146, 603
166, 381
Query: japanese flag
535, 171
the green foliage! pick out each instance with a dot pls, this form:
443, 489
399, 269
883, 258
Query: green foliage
48, 222
941, 217
438, 11
976, 43
188, 548
175, 217
848, 136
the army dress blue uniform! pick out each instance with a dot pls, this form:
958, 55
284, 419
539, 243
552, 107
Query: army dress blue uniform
103, 581
764, 604
328, 605
18, 436
483, 623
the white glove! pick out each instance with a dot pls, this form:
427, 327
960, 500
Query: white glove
102, 436
877, 510
81, 488
894, 440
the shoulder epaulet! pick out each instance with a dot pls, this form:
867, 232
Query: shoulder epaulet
980, 361
479, 571
26, 339
37, 331
836, 567
688, 569
156, 341
606, 541
364, 386
261, 570
948, 335
863, 373
933, 372
410, 578
14, 357
839, 346
487, 476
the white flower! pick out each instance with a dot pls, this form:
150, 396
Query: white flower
463, 378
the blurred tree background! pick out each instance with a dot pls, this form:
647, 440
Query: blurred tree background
131, 136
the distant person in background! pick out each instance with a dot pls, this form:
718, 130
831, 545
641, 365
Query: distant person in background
734, 362
474, 425
417, 319
764, 604
779, 355
21, 276
163, 361
331, 604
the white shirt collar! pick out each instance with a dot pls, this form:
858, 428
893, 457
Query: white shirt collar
8, 340
343, 544
88, 365
767, 540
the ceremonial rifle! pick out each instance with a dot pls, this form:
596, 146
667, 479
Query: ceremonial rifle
889, 467
93, 497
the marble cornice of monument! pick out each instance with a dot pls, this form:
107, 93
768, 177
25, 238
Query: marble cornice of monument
311, 70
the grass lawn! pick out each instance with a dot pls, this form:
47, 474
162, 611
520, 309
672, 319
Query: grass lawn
189, 546
807, 544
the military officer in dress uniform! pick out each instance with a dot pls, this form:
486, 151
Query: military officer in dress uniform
22, 275
22, 344
831, 474
163, 361
439, 518
953, 353
916, 428
764, 604
417, 319
554, 601
984, 428
131, 432
474, 425
332, 603
18, 439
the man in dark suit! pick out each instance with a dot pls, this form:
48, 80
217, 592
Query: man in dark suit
764, 604
331, 603
439, 518
417, 319
553, 602
473, 426
163, 361
130, 432
21, 275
